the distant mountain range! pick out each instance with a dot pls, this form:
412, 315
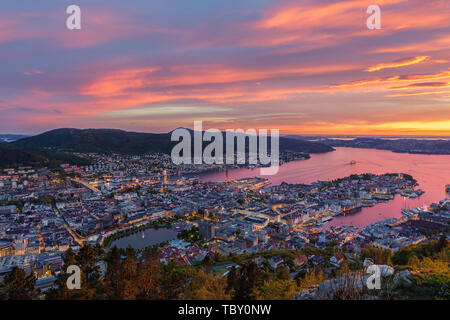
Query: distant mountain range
6, 138
400, 145
119, 141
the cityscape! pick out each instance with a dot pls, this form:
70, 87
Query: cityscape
321, 172
145, 203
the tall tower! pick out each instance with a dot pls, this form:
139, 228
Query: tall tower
165, 177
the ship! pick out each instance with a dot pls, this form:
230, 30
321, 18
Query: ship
352, 162
350, 209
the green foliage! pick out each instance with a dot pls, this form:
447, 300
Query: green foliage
276, 289
86, 259
12, 157
130, 275
205, 286
192, 235
18, 286
311, 278
245, 281
378, 255
175, 279
430, 250
430, 279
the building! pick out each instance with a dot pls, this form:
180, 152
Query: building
300, 260
8, 209
6, 248
207, 230
276, 262
337, 259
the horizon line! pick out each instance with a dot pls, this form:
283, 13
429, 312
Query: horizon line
281, 135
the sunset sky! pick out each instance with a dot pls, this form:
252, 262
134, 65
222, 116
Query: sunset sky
303, 66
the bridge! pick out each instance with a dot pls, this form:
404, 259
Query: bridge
86, 185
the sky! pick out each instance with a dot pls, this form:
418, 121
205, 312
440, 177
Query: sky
303, 66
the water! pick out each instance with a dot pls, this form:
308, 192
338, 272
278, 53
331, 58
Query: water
432, 172
151, 237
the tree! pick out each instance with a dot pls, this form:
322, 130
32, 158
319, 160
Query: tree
312, 278
175, 278
344, 269
414, 262
128, 284
283, 273
87, 260
149, 276
18, 286
232, 278
378, 255
276, 289
442, 243
204, 286
250, 277
113, 274
60, 291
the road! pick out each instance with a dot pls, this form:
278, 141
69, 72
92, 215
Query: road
79, 240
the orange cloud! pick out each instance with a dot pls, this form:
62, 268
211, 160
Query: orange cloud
295, 15
397, 64
128, 81
423, 85
417, 93
388, 80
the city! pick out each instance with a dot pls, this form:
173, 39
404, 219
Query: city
224, 159
114, 200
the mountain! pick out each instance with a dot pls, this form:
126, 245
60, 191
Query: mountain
119, 141
11, 157
5, 138
416, 146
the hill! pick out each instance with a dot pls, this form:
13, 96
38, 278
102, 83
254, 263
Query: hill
119, 141
399, 145
417, 146
10, 157
5, 138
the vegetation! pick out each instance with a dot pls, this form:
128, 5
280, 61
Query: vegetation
129, 274
192, 236
18, 286
11, 157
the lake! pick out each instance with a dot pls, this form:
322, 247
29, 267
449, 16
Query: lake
151, 237
432, 172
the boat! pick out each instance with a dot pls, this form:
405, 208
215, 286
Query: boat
143, 235
352, 162
447, 188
